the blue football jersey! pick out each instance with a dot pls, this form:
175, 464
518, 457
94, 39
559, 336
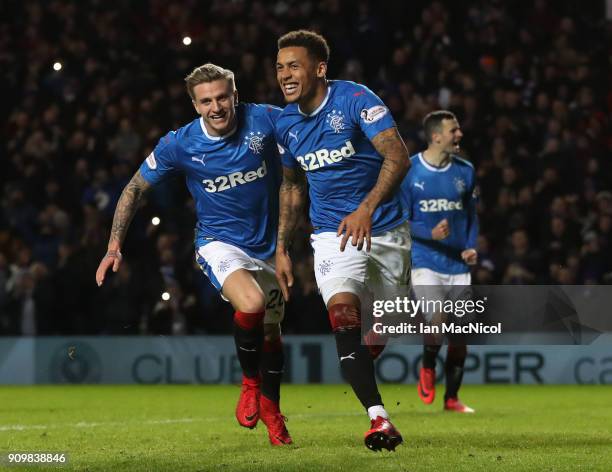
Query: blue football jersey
332, 145
234, 179
432, 194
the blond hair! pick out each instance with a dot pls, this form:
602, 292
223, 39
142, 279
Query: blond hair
208, 73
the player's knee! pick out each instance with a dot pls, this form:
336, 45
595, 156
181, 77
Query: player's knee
251, 301
343, 317
272, 332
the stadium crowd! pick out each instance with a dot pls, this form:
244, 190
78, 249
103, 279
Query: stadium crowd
529, 82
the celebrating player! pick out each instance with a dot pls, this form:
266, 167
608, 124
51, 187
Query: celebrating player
440, 193
341, 138
229, 158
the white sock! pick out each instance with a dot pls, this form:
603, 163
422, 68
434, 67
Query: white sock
377, 410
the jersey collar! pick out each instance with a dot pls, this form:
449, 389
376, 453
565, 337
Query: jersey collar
217, 138
320, 107
434, 168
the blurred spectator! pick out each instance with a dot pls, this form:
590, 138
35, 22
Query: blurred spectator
123, 304
523, 264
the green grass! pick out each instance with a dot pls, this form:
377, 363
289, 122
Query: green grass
191, 428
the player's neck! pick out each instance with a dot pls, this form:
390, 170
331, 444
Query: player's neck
215, 134
436, 158
310, 104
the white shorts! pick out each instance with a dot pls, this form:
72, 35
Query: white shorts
432, 285
386, 265
218, 260
430, 277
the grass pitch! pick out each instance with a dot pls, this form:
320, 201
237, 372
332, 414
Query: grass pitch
192, 428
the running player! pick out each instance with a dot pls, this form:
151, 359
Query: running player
440, 193
229, 159
340, 138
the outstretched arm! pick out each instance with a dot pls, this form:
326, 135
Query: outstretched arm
292, 198
126, 208
396, 163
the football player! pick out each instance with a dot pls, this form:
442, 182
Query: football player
229, 159
440, 192
340, 138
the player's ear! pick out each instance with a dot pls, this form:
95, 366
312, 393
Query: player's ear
235, 97
322, 70
195, 105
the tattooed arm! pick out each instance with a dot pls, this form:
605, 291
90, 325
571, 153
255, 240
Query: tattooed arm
292, 198
126, 208
396, 163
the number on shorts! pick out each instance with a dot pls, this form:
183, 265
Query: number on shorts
275, 299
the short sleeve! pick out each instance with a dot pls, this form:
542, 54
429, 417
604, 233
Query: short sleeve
272, 113
286, 158
370, 112
160, 164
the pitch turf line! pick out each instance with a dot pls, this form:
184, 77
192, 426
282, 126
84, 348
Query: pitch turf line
211, 419
85, 424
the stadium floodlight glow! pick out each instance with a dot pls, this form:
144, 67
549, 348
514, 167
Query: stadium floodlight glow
165, 296
155, 221
186, 40
57, 66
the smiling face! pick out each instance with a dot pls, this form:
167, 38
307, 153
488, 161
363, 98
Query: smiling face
300, 76
216, 102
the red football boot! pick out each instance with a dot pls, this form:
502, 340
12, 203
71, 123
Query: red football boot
247, 409
270, 414
382, 434
454, 404
427, 385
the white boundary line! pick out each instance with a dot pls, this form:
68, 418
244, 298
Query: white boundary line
87, 424
94, 424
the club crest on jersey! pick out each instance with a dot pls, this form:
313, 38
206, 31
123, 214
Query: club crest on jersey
335, 120
459, 184
255, 141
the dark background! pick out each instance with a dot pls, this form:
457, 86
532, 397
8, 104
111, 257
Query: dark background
529, 81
